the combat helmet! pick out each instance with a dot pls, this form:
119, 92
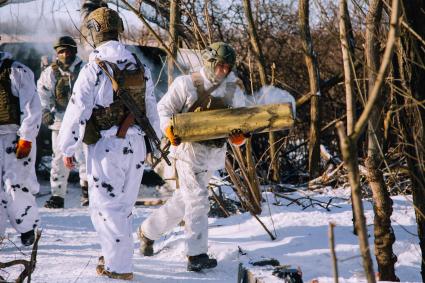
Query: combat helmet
65, 42
104, 24
217, 52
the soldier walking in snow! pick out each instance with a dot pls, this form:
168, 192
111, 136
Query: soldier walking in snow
97, 116
54, 88
20, 117
195, 161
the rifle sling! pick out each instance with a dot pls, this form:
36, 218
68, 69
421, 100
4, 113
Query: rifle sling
203, 94
130, 119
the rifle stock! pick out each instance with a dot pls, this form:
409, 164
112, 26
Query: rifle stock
146, 126
139, 116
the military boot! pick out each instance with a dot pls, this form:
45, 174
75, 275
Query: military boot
199, 262
55, 202
85, 194
100, 270
27, 238
146, 244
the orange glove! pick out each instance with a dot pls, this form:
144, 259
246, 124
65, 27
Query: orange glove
174, 140
68, 162
23, 148
237, 137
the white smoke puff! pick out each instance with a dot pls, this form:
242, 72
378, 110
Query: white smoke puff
274, 95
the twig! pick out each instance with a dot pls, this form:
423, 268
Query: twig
264, 226
160, 41
79, 275
332, 248
29, 266
220, 204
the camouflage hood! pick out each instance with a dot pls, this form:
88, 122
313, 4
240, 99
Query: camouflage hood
114, 52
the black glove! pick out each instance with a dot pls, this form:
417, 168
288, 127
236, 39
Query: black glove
48, 118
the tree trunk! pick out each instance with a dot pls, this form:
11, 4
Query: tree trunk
349, 154
347, 46
173, 41
349, 144
314, 79
412, 115
382, 203
252, 31
261, 63
255, 44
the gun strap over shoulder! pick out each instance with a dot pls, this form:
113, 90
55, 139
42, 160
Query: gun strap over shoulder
129, 119
203, 94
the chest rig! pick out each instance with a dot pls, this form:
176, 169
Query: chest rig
131, 81
9, 104
207, 102
64, 82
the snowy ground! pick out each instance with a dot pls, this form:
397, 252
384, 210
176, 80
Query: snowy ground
68, 249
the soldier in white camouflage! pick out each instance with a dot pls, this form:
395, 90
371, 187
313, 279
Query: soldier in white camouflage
213, 87
116, 155
20, 118
55, 88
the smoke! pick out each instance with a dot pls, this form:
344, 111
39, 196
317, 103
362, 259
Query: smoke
273, 95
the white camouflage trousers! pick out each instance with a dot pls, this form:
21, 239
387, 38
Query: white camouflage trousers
115, 169
17, 186
189, 203
59, 173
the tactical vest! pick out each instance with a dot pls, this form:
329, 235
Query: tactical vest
103, 118
64, 84
207, 102
9, 104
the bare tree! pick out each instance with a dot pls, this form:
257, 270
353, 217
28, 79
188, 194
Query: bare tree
382, 203
174, 21
411, 58
349, 143
347, 46
314, 78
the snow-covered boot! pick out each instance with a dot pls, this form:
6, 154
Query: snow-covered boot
146, 244
199, 262
100, 269
85, 194
27, 238
55, 202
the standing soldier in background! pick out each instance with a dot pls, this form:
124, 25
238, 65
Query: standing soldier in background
55, 88
97, 116
214, 87
20, 117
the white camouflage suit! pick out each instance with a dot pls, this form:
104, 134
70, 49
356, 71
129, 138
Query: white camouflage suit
114, 166
195, 163
18, 180
46, 85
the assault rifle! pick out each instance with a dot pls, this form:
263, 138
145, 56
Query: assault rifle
136, 115
143, 122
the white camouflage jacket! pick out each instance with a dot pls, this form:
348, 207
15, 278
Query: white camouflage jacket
46, 90
23, 86
178, 99
93, 89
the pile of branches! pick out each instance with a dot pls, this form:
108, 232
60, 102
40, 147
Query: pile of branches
29, 265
